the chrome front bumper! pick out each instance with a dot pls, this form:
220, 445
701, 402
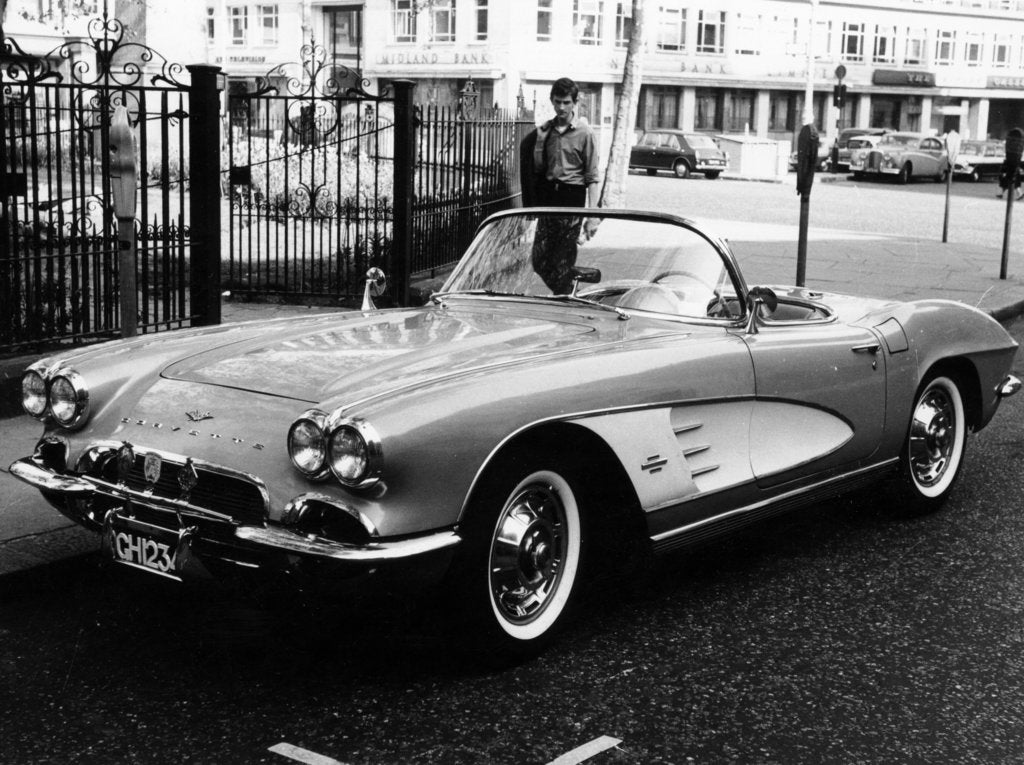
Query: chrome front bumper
272, 539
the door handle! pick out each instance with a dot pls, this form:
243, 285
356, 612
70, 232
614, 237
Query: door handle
871, 348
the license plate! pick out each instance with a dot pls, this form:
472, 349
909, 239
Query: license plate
141, 545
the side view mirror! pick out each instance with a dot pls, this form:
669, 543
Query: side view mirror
376, 283
756, 298
585, 275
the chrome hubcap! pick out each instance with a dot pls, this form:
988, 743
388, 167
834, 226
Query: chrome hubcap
932, 437
527, 553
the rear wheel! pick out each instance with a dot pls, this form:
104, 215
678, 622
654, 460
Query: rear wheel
681, 169
933, 454
526, 550
975, 175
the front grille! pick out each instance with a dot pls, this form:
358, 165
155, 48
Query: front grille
220, 490
874, 160
228, 494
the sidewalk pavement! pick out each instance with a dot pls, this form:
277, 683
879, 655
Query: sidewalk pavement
32, 533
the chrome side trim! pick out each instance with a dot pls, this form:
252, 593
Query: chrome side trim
665, 535
283, 540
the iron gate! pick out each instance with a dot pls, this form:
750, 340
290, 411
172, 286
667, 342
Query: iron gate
59, 279
315, 190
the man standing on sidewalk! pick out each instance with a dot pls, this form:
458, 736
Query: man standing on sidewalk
563, 171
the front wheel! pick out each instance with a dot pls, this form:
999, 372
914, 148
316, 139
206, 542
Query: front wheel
525, 551
933, 454
904, 177
712, 174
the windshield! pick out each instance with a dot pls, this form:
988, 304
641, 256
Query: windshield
625, 263
701, 141
898, 140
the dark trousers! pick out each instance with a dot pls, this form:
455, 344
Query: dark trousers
557, 194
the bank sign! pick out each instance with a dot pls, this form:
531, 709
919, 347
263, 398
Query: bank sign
431, 58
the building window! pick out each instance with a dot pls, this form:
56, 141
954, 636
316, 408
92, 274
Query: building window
711, 32
481, 19
783, 35
739, 110
781, 111
587, 18
211, 28
623, 24
974, 48
671, 28
442, 21
544, 13
663, 108
917, 45
708, 112
852, 42
238, 23
403, 21
747, 34
266, 20
822, 40
1001, 51
342, 30
884, 51
945, 46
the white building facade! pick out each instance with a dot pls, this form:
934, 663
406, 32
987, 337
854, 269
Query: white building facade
716, 66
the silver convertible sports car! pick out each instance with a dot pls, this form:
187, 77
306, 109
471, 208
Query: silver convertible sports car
580, 387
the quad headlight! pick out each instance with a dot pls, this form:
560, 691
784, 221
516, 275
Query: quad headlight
33, 393
354, 453
62, 395
307, 444
349, 448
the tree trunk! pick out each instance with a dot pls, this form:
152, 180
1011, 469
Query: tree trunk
613, 191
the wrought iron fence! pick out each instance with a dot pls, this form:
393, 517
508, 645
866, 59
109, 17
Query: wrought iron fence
59, 271
467, 168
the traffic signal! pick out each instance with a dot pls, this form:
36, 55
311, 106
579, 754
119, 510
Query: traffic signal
839, 95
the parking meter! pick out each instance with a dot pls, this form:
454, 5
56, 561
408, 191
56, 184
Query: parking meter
1010, 173
123, 170
123, 188
806, 159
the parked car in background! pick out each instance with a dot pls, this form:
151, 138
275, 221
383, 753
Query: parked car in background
679, 152
858, 147
977, 160
582, 392
845, 147
903, 156
824, 157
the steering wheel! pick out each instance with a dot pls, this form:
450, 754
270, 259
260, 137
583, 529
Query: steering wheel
686, 274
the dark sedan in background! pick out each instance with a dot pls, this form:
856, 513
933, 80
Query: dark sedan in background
680, 152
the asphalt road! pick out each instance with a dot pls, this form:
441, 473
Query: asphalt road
842, 633
976, 216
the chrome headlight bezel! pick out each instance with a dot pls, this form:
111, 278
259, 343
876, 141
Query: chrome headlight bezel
354, 439
73, 408
315, 421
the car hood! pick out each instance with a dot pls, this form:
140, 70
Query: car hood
356, 354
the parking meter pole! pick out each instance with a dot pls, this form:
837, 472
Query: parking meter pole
945, 219
806, 163
952, 144
123, 190
126, 276
801, 246
1014, 150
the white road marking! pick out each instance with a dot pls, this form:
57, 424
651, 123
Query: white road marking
303, 755
585, 752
